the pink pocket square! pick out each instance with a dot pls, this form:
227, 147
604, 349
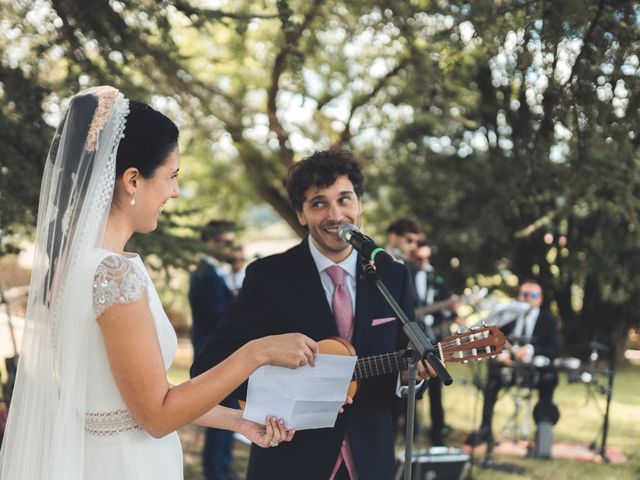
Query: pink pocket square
381, 321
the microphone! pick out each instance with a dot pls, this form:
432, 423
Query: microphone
352, 235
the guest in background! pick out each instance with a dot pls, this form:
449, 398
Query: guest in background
431, 288
235, 275
210, 297
533, 334
402, 238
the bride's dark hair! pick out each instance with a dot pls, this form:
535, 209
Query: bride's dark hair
149, 136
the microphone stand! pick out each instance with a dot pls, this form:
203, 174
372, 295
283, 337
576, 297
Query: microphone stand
422, 349
608, 391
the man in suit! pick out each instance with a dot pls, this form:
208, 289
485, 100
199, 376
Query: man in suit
210, 298
533, 334
297, 291
235, 275
429, 289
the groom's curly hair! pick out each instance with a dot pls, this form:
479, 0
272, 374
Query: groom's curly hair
321, 169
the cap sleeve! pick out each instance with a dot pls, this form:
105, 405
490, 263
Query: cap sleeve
117, 280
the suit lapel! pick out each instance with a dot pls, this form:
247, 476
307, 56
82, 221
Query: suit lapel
307, 281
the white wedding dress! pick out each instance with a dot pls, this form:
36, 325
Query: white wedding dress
116, 448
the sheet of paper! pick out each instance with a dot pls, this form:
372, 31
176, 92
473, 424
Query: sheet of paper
305, 398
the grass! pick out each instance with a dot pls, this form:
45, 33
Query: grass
581, 417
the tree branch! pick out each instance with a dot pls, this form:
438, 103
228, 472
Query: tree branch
264, 178
216, 15
585, 39
544, 220
279, 64
364, 99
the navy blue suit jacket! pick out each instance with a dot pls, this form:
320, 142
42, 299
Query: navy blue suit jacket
210, 298
545, 338
283, 293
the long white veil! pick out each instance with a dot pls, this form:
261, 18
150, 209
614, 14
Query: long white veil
45, 430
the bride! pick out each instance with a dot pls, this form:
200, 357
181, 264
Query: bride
91, 399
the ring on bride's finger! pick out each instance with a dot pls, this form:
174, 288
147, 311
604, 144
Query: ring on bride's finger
273, 444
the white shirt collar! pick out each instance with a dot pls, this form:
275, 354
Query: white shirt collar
212, 261
349, 264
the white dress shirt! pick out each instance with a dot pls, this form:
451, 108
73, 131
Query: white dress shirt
524, 327
349, 265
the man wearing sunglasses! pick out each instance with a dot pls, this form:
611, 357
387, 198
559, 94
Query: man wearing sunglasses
536, 343
430, 288
402, 239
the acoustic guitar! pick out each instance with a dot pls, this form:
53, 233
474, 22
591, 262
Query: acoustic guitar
477, 343
443, 327
471, 298
439, 306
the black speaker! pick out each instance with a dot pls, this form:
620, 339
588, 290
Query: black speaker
435, 463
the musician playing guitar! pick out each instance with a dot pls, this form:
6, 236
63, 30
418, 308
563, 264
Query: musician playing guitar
534, 336
432, 291
317, 288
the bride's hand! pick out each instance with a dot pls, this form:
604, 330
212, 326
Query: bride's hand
290, 350
268, 435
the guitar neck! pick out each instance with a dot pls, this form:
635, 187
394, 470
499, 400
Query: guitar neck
461, 347
434, 307
379, 365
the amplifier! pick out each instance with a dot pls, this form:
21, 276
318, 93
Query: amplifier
435, 463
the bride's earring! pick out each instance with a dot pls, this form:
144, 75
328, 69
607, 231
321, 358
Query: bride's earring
132, 202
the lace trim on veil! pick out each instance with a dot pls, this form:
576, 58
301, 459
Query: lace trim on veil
101, 200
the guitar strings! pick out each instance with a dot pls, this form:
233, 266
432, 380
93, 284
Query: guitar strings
375, 364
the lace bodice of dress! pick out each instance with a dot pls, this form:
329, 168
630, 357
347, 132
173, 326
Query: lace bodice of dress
117, 280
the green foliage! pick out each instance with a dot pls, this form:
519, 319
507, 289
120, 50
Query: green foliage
509, 128
523, 156
24, 140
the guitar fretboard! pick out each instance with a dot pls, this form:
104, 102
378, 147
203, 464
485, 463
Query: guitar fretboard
379, 365
471, 345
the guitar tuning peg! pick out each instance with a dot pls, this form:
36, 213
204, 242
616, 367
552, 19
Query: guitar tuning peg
465, 361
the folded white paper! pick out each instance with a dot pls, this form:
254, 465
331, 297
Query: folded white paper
306, 397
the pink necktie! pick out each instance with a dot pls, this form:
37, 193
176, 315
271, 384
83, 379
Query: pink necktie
343, 315
341, 302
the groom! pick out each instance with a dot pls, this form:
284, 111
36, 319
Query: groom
317, 288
